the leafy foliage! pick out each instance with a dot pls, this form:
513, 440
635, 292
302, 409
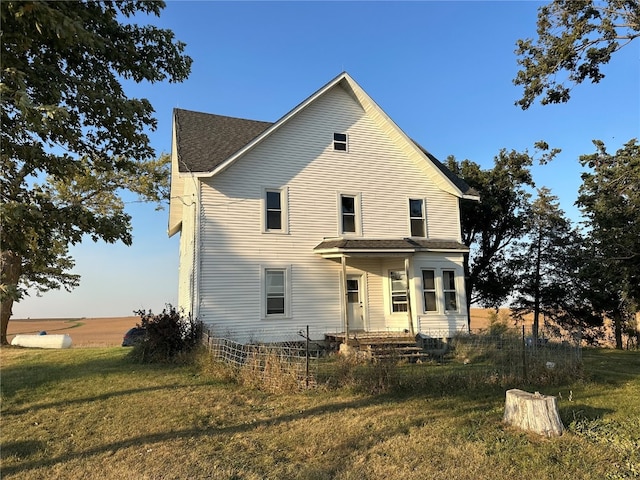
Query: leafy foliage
72, 141
169, 336
490, 226
610, 200
575, 38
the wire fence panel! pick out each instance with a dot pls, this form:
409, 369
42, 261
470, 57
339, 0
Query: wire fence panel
506, 357
281, 364
519, 355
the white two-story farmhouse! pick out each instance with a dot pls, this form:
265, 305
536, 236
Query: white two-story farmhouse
331, 217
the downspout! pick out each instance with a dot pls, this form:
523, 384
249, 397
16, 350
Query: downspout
409, 312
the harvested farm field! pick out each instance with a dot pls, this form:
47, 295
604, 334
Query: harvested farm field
108, 331
84, 332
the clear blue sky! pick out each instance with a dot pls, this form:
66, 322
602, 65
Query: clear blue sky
441, 70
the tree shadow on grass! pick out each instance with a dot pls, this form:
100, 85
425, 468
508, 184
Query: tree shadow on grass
22, 449
581, 414
54, 367
363, 442
32, 408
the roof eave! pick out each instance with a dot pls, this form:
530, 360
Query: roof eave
174, 229
475, 198
339, 252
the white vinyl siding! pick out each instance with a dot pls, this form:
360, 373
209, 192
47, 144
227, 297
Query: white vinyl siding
299, 157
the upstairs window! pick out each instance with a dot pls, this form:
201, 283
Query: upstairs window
429, 290
449, 288
398, 279
417, 218
348, 213
340, 142
275, 210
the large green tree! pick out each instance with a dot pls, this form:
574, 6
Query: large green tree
575, 38
610, 200
72, 141
548, 260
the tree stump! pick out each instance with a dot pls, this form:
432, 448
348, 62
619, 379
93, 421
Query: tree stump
533, 412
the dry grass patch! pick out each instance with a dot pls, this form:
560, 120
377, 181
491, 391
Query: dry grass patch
92, 414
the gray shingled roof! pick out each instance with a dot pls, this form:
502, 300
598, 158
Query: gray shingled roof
457, 181
414, 244
204, 140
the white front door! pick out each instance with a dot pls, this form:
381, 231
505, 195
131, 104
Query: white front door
354, 302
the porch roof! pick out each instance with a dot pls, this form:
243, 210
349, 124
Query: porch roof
390, 246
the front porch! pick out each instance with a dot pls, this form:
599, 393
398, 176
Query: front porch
395, 288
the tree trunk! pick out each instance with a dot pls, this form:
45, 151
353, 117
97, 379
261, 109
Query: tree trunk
533, 412
10, 271
536, 298
617, 329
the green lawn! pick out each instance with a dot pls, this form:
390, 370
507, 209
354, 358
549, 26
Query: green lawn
92, 414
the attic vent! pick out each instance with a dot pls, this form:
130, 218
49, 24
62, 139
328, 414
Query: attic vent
340, 141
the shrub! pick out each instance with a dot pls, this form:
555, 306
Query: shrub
170, 336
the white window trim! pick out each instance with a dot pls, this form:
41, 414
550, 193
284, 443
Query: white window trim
455, 290
435, 290
284, 205
346, 142
424, 215
441, 304
389, 284
287, 292
358, 214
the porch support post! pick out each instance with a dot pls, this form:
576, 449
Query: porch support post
408, 277
345, 301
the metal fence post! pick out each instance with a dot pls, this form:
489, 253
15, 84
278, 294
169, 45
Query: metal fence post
524, 356
306, 378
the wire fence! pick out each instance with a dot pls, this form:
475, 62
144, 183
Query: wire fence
286, 364
519, 355
506, 357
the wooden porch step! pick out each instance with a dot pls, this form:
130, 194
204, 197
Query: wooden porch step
386, 345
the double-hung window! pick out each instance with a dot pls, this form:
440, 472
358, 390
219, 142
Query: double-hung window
449, 288
398, 279
429, 290
275, 210
417, 217
275, 291
349, 214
